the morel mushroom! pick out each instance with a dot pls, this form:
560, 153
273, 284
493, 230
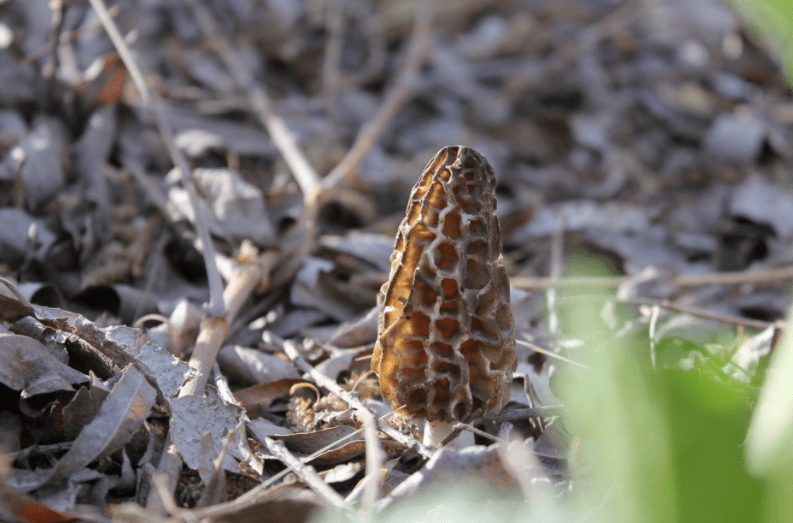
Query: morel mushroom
445, 346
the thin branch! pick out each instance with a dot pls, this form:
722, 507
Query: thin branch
216, 304
290, 348
702, 313
16, 292
656, 310
551, 354
213, 330
528, 283
305, 175
331, 74
371, 132
305, 473
368, 135
557, 263
161, 486
694, 280
374, 464
67, 37
459, 427
526, 413
231, 507
733, 278
567, 53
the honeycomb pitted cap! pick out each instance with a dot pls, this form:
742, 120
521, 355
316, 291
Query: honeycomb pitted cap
445, 345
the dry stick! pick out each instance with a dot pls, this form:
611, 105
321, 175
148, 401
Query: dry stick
290, 348
374, 464
56, 26
733, 278
212, 333
373, 130
459, 427
702, 313
654, 313
67, 37
331, 73
528, 283
557, 253
150, 187
526, 413
216, 305
16, 292
305, 175
298, 466
551, 354
245, 278
232, 507
214, 326
160, 482
696, 280
367, 137
568, 52
306, 473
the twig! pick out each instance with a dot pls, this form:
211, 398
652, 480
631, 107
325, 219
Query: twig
551, 354
160, 482
368, 135
150, 187
290, 348
213, 329
371, 132
212, 333
557, 253
733, 278
305, 175
15, 291
522, 464
521, 414
458, 427
333, 49
69, 36
374, 464
216, 304
231, 507
168, 472
51, 65
305, 473
527, 283
568, 52
656, 310
702, 313
695, 280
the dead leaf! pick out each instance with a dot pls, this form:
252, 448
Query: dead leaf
192, 416
26, 365
121, 415
262, 394
310, 442
254, 366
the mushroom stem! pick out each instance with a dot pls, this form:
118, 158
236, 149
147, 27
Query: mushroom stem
438, 430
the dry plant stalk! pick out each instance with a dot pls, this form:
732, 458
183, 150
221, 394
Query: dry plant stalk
445, 346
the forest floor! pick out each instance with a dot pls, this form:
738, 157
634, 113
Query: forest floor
195, 343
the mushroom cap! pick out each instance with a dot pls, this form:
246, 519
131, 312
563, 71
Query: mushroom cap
445, 347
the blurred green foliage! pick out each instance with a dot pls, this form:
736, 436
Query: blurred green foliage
772, 21
658, 438
667, 437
